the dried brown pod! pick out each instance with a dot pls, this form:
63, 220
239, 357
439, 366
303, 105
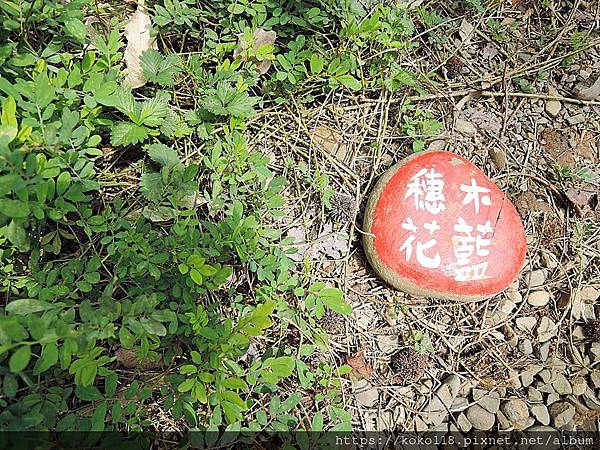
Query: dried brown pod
343, 208
454, 66
592, 330
408, 366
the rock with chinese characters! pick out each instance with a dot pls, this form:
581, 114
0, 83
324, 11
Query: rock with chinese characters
438, 227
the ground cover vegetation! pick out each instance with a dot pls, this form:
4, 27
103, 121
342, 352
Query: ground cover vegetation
143, 268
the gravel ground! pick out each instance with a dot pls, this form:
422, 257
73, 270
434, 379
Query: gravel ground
529, 356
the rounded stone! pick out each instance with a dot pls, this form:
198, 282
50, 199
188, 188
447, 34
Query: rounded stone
535, 278
516, 412
540, 412
562, 413
437, 226
526, 347
480, 418
538, 298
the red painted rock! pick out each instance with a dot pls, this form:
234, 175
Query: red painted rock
438, 227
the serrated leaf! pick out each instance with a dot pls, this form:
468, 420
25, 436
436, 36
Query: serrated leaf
125, 102
158, 68
242, 105
226, 100
150, 61
151, 186
173, 126
163, 155
153, 111
127, 133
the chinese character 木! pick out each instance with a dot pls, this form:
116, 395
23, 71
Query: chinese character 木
473, 192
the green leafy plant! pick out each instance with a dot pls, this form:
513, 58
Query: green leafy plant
419, 124
176, 12
138, 229
422, 344
160, 69
144, 117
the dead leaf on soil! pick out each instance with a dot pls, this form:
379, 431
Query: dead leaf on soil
137, 33
330, 141
586, 420
587, 148
556, 145
128, 359
465, 31
463, 101
328, 244
484, 120
527, 203
499, 157
260, 39
92, 32
359, 365
588, 89
584, 200
489, 51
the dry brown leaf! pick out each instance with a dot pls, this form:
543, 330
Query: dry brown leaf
499, 157
585, 201
489, 51
463, 101
484, 120
588, 89
126, 357
587, 149
556, 145
92, 32
527, 203
359, 365
465, 31
329, 141
137, 33
261, 38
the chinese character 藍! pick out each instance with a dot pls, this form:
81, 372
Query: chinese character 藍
427, 187
473, 192
471, 273
430, 262
465, 245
